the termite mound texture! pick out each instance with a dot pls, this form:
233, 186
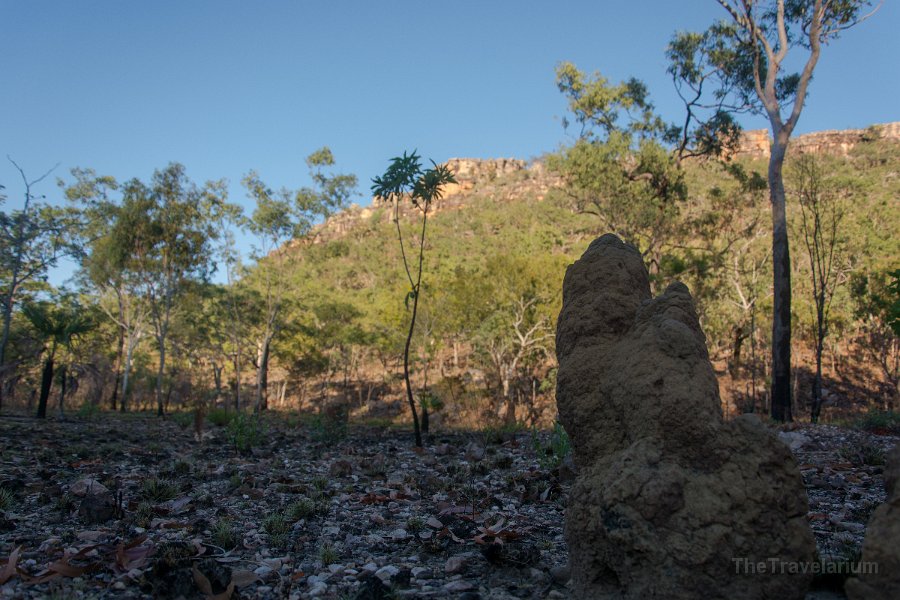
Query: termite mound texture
879, 569
671, 501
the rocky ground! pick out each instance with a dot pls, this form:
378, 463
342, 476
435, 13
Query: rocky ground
134, 507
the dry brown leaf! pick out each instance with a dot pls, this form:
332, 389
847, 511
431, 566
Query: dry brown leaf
243, 577
202, 582
9, 569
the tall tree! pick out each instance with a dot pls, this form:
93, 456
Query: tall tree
279, 217
103, 265
32, 240
176, 233
821, 213
750, 53
619, 169
405, 178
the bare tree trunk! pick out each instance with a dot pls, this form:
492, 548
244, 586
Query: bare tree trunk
262, 375
120, 350
781, 322
62, 388
159, 376
129, 356
46, 383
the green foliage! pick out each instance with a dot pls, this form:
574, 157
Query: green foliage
158, 490
7, 499
225, 535
328, 427
551, 454
866, 454
89, 411
618, 170
304, 508
328, 554
405, 178
246, 431
880, 421
276, 524
220, 416
184, 419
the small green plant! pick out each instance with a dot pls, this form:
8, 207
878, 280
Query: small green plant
158, 490
880, 421
328, 428
245, 432
6, 499
499, 435
276, 524
183, 419
328, 554
320, 483
144, 514
235, 481
219, 417
415, 524
181, 468
89, 411
304, 508
550, 455
277, 527
224, 535
865, 454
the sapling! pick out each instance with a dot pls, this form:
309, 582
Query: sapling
405, 178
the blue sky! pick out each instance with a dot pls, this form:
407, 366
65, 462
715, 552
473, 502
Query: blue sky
226, 86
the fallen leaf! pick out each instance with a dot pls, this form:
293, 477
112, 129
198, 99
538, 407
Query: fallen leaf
9, 569
243, 577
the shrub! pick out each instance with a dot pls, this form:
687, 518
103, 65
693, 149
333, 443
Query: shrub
224, 535
89, 410
219, 416
880, 421
245, 432
183, 419
550, 455
158, 490
329, 427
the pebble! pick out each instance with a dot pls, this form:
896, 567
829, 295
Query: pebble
320, 588
385, 573
454, 564
263, 571
460, 585
421, 573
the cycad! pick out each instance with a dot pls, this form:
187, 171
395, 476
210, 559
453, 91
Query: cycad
56, 326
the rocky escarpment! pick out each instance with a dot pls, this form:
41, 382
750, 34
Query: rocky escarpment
755, 143
670, 501
508, 179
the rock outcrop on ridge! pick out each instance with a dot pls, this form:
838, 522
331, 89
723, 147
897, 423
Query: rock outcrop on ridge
671, 501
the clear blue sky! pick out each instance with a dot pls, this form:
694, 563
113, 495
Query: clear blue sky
226, 86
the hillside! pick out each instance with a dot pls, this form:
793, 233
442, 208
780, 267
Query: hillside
497, 247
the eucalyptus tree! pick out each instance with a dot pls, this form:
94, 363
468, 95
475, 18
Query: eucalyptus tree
619, 168
32, 240
751, 53
104, 261
174, 229
406, 179
281, 216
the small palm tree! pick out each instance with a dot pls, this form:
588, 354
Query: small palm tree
57, 326
405, 178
